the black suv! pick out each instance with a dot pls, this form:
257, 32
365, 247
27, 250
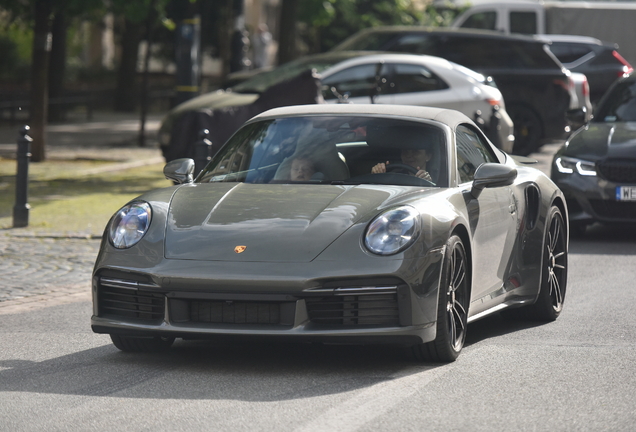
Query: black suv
535, 85
600, 62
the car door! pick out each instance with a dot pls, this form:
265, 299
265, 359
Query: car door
414, 84
358, 84
493, 218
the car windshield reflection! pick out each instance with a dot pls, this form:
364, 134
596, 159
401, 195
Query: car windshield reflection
333, 150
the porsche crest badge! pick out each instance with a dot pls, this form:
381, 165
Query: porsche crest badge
240, 249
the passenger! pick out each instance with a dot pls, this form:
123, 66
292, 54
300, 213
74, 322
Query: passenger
302, 168
416, 158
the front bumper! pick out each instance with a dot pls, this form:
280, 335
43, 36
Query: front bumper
391, 303
591, 198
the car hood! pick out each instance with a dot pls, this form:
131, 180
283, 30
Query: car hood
603, 140
275, 223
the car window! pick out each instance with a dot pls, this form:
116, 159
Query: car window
619, 105
327, 149
356, 81
472, 151
523, 22
365, 41
569, 52
482, 20
477, 53
416, 43
410, 78
265, 80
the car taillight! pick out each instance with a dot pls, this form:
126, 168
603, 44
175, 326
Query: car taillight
567, 84
627, 68
495, 102
586, 87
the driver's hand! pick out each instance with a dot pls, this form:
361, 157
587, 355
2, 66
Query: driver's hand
423, 175
379, 168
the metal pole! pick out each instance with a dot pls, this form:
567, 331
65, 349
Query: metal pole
21, 207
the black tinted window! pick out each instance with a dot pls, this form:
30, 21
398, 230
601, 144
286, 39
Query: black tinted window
481, 20
411, 78
355, 81
569, 52
620, 104
472, 151
497, 54
523, 22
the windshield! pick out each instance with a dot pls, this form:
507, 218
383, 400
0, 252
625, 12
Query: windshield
263, 81
325, 149
619, 105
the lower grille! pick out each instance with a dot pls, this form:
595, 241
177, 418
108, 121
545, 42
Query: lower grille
235, 312
614, 209
130, 304
618, 171
378, 309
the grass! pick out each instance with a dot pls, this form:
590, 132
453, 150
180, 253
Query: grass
74, 197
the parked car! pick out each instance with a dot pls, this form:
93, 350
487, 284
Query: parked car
534, 84
600, 62
450, 230
401, 79
596, 168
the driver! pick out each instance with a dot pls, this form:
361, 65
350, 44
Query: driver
417, 158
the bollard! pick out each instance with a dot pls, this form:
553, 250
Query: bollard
21, 207
202, 151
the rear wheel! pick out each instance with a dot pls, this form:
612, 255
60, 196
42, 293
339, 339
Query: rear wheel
549, 303
555, 270
452, 308
528, 131
137, 344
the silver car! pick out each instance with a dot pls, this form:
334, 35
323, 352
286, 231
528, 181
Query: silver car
359, 78
337, 223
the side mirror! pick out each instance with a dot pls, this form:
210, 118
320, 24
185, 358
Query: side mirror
180, 170
577, 117
492, 175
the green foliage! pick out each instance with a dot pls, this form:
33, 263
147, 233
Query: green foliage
16, 39
329, 22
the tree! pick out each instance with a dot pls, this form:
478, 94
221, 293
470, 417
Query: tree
327, 23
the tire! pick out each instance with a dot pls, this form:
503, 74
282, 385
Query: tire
554, 274
528, 130
452, 308
137, 344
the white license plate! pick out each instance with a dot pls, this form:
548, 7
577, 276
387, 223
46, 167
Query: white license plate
626, 193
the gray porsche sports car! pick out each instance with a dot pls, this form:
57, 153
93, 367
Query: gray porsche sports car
339, 224
596, 167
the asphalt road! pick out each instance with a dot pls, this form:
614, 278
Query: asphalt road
575, 374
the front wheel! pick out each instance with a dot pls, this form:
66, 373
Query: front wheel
452, 308
137, 344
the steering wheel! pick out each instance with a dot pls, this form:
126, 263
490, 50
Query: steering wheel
394, 166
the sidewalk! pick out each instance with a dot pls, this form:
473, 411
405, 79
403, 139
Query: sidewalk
39, 270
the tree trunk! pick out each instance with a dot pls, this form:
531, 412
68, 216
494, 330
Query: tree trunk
57, 65
287, 33
39, 79
126, 92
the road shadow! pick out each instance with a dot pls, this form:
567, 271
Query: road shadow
605, 239
496, 325
213, 371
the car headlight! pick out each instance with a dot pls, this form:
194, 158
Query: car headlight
568, 165
129, 225
392, 231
